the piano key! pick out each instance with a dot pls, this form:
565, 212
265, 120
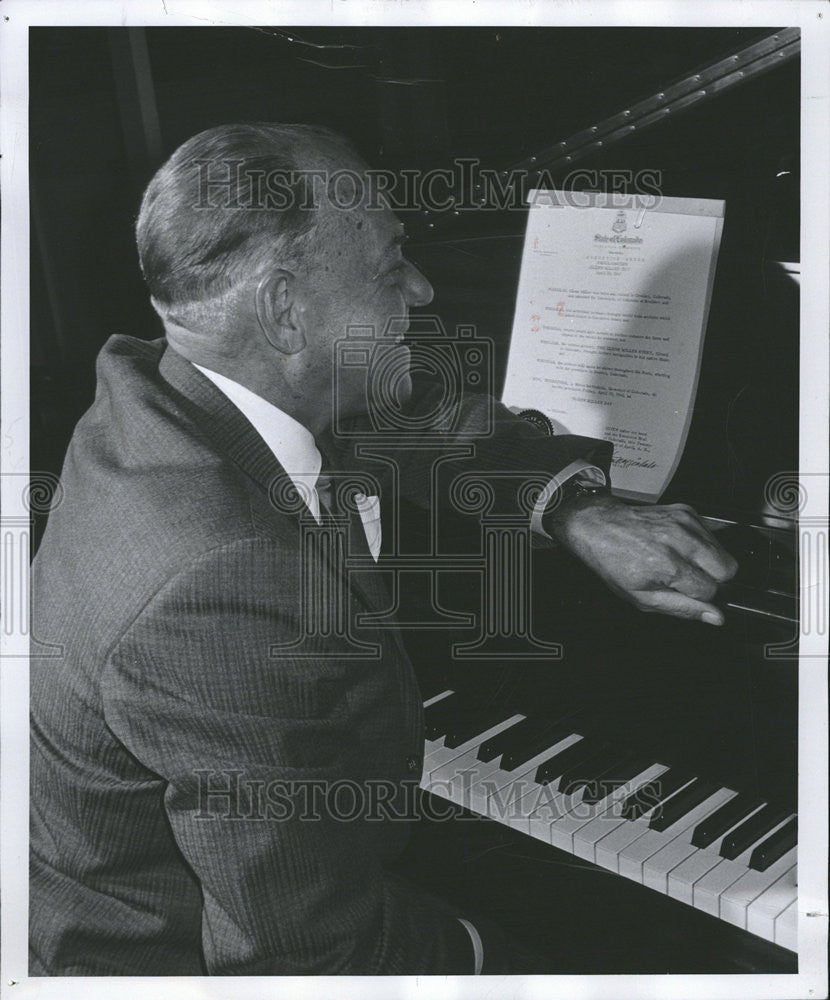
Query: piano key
708, 890
539, 738
751, 831
435, 699
550, 770
764, 909
535, 804
615, 777
786, 927
443, 754
502, 790
506, 739
633, 857
562, 832
682, 879
453, 778
607, 850
440, 714
768, 852
593, 805
728, 816
683, 802
656, 868
585, 839
582, 774
735, 900
469, 725
644, 799
456, 779
551, 806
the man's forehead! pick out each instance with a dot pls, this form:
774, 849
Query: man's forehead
370, 223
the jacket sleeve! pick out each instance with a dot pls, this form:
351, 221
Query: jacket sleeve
242, 740
433, 441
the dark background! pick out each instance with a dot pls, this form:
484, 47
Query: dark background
107, 105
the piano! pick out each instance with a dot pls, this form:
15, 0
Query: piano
667, 749
729, 854
629, 805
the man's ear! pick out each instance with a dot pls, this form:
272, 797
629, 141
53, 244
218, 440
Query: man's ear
277, 313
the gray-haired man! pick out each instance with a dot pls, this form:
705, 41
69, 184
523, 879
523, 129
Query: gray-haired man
193, 709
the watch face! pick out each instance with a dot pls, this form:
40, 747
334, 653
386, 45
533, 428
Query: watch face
538, 419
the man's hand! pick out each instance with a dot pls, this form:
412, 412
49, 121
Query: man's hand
658, 558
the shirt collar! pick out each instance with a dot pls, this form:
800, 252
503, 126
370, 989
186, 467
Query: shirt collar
291, 443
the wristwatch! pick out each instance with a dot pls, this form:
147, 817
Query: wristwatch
538, 419
571, 490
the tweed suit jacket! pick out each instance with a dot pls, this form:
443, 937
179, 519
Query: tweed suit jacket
190, 711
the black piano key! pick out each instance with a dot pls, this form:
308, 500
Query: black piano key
620, 773
520, 741
468, 725
649, 795
588, 770
553, 767
439, 714
775, 846
708, 830
540, 739
751, 831
497, 744
684, 801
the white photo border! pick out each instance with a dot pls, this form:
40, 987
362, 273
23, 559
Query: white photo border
813, 17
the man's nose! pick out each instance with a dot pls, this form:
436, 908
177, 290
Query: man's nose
418, 290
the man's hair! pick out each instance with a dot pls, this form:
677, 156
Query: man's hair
229, 201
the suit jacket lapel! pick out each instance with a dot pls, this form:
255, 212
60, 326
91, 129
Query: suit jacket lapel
223, 422
236, 436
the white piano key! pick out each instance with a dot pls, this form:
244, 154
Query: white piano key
735, 900
786, 927
438, 697
764, 909
563, 831
471, 790
443, 754
681, 879
607, 850
535, 804
593, 833
632, 857
552, 805
708, 890
503, 790
454, 779
676, 843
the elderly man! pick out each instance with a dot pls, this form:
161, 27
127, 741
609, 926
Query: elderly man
192, 704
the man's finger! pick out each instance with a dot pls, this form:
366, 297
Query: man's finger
692, 540
670, 602
692, 581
